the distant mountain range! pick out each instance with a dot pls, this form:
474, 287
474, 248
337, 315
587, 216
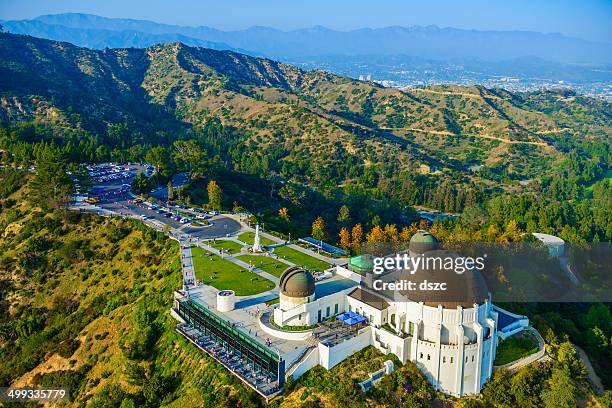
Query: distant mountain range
430, 42
292, 117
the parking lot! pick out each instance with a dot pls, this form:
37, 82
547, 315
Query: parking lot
111, 187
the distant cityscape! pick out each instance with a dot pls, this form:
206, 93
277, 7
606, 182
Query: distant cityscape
400, 76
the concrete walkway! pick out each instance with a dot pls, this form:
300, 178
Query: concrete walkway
187, 262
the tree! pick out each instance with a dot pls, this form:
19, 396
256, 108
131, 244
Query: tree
50, 187
283, 213
497, 391
141, 183
214, 195
376, 234
189, 156
344, 216
391, 233
345, 239
526, 385
560, 391
318, 228
376, 220
407, 233
356, 238
160, 158
170, 190
237, 208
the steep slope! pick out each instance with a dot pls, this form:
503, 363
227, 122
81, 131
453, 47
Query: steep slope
168, 90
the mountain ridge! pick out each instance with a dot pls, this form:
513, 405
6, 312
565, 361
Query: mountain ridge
422, 41
298, 116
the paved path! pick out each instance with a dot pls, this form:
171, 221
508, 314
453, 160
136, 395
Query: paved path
187, 262
595, 380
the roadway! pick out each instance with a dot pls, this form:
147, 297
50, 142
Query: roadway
116, 201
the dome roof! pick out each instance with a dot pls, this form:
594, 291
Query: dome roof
465, 289
297, 282
422, 242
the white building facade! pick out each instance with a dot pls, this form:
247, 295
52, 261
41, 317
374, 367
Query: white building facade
453, 343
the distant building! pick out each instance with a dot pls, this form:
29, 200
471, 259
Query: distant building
555, 245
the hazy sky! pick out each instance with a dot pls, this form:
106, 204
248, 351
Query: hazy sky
588, 19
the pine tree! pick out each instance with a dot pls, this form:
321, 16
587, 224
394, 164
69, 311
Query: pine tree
344, 216
50, 187
170, 190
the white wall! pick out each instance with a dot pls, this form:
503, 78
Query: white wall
387, 343
375, 316
310, 361
331, 356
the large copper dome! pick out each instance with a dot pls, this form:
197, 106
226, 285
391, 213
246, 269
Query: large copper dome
422, 242
297, 282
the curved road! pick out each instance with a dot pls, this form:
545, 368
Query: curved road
220, 227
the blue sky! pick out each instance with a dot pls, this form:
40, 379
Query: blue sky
589, 19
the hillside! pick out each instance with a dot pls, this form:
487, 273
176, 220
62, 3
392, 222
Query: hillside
84, 299
85, 304
299, 115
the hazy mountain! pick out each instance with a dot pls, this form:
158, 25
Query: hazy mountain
426, 42
105, 38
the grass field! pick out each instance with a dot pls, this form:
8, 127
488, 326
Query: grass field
514, 348
223, 274
249, 237
301, 259
231, 246
266, 263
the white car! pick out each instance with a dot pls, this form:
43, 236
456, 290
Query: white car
184, 220
144, 217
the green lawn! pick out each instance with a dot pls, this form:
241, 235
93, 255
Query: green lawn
514, 348
231, 246
301, 259
223, 274
266, 263
249, 237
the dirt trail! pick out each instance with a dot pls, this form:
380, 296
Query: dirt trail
469, 95
482, 136
599, 388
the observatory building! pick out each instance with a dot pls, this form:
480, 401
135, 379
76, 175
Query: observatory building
451, 338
